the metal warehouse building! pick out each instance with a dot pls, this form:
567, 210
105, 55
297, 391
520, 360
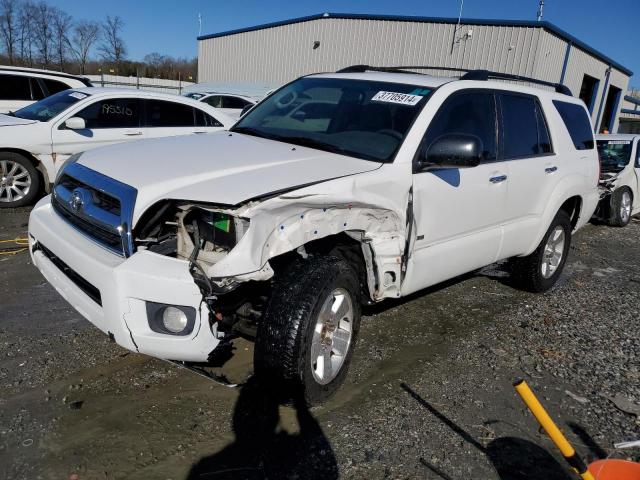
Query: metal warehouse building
276, 53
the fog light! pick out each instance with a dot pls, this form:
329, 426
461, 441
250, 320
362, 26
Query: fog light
174, 319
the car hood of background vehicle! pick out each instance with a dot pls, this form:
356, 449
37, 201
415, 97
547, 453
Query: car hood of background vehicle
9, 121
225, 168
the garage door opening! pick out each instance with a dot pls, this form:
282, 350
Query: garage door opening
610, 107
588, 91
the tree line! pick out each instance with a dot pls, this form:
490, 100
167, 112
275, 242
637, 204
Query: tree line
36, 34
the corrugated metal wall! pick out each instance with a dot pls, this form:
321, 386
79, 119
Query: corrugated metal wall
279, 54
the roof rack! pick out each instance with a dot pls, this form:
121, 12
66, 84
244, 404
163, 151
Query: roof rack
469, 74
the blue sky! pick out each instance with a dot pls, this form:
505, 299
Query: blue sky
171, 27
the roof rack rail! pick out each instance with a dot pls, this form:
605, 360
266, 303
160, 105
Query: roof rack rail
469, 74
487, 74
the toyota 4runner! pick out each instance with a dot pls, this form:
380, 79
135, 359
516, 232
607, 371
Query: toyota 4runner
337, 190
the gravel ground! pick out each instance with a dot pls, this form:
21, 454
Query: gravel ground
429, 393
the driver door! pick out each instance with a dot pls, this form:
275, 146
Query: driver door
107, 121
458, 212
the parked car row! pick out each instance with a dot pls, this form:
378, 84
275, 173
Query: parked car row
336, 190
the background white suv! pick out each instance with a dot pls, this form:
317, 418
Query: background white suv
619, 178
36, 140
285, 225
20, 87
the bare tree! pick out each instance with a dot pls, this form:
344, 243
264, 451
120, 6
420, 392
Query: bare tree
113, 48
26, 32
9, 26
43, 31
61, 25
85, 34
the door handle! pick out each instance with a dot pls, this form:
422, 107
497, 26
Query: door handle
199, 131
133, 133
550, 169
498, 179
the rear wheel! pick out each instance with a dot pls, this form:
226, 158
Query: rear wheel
540, 271
621, 203
19, 180
309, 331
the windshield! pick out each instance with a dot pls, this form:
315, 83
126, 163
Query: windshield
50, 107
363, 119
614, 154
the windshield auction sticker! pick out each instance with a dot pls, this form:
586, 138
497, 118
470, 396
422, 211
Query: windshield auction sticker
78, 95
394, 97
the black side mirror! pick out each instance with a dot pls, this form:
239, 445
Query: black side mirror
455, 150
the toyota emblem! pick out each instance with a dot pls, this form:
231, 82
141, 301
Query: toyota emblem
77, 200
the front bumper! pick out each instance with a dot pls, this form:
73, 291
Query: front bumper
69, 259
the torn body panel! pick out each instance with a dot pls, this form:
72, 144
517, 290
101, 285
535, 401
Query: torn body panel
267, 229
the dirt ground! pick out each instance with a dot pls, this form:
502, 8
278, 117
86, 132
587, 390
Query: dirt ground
429, 393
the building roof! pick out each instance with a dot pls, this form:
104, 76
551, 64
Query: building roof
464, 21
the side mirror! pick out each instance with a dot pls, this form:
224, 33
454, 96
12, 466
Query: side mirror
245, 109
75, 123
454, 150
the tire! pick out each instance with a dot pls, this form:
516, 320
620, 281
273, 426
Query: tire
537, 272
19, 180
621, 204
287, 335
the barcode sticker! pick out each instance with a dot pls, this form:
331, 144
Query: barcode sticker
394, 97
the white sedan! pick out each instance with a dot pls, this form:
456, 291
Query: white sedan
36, 140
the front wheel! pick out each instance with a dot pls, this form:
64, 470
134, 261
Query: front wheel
309, 331
19, 180
620, 208
539, 271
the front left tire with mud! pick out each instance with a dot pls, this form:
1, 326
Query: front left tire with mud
307, 336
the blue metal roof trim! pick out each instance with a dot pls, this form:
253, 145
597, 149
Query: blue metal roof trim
634, 100
402, 18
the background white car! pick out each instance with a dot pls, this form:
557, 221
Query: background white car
229, 103
20, 87
36, 140
619, 178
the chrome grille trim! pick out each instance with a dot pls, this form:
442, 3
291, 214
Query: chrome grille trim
96, 205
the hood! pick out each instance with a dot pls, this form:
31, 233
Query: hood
8, 121
225, 168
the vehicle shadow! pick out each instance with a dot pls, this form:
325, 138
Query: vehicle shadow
262, 449
512, 458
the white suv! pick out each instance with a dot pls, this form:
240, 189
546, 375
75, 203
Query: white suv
287, 226
20, 87
36, 140
619, 178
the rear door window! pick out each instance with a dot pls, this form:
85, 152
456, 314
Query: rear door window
14, 87
112, 113
54, 86
160, 113
205, 120
234, 102
468, 113
524, 129
576, 120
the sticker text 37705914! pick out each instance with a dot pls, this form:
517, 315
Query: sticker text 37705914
394, 97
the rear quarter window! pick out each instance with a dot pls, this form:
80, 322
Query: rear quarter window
576, 120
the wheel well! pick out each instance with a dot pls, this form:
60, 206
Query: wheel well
44, 177
339, 244
573, 207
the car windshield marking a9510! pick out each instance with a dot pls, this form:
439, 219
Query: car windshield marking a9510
362, 119
50, 107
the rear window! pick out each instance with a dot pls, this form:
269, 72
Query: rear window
577, 122
14, 87
524, 129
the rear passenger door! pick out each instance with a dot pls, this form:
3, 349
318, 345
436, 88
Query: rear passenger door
458, 213
527, 150
166, 119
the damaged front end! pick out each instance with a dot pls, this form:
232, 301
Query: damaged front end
233, 253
